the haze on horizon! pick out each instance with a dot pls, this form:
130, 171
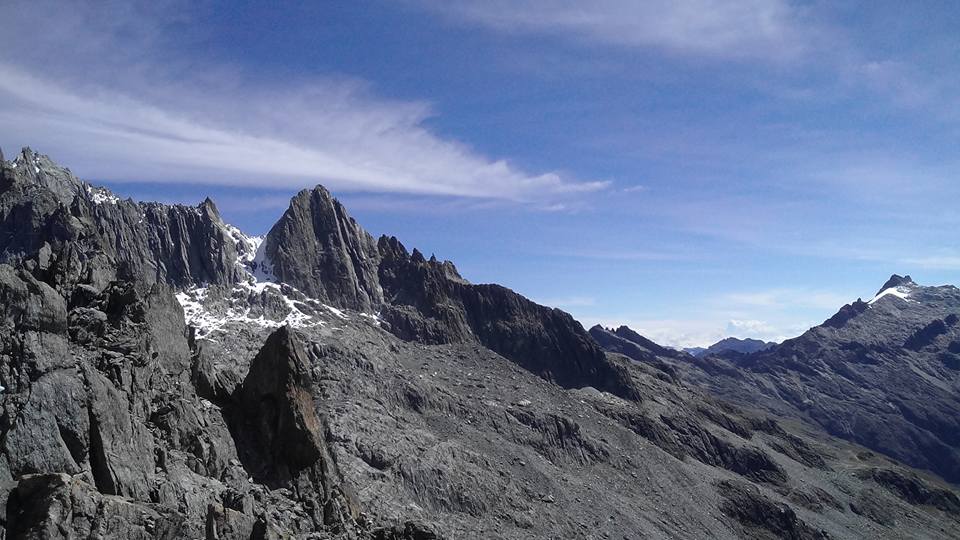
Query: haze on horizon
693, 169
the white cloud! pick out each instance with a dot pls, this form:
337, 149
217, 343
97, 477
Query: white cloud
102, 90
769, 315
766, 331
783, 299
332, 135
939, 262
702, 332
747, 328
678, 333
767, 29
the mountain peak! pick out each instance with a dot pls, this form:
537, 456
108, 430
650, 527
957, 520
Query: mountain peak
898, 286
319, 249
30, 168
896, 280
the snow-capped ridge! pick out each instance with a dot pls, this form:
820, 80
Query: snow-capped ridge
250, 300
900, 291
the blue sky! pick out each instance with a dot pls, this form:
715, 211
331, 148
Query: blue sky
692, 168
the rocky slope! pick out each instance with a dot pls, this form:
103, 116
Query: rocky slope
166, 376
883, 373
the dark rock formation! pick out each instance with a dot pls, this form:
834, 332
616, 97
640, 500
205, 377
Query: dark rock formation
707, 448
275, 412
846, 313
912, 489
430, 302
67, 233
896, 280
635, 347
318, 248
926, 335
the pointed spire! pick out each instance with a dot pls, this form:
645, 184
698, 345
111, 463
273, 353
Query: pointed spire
210, 208
417, 257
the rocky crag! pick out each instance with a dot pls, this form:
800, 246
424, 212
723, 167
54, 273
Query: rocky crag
166, 376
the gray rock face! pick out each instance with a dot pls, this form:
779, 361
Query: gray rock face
68, 232
763, 517
319, 249
139, 405
430, 302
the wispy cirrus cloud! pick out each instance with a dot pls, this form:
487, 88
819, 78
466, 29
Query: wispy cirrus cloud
332, 135
935, 262
115, 109
768, 32
750, 29
785, 299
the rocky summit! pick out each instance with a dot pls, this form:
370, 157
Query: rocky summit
167, 376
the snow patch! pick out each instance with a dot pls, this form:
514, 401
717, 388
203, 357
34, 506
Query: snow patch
899, 292
247, 246
335, 311
252, 255
101, 196
208, 322
374, 317
260, 266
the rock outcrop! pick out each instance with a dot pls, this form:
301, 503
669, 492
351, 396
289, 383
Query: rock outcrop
284, 437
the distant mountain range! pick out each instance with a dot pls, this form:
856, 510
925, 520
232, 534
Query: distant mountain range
731, 344
883, 373
165, 375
